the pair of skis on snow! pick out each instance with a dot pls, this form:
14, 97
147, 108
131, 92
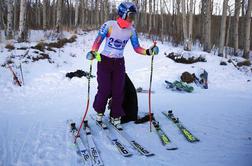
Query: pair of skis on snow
88, 152
91, 155
165, 139
105, 127
188, 135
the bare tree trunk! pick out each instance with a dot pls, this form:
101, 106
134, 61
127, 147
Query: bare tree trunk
162, 19
82, 18
150, 16
223, 28
236, 25
207, 14
69, 19
189, 45
96, 14
106, 10
44, 14
38, 20
23, 31
15, 18
1, 21
2, 11
59, 16
76, 14
54, 12
228, 29
247, 30
10, 20
185, 34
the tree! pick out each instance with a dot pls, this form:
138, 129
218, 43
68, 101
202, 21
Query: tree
76, 14
187, 28
223, 28
207, 13
23, 30
247, 30
162, 2
190, 25
150, 16
185, 34
10, 20
45, 14
106, 10
236, 24
59, 16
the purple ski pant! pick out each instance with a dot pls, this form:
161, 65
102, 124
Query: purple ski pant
111, 78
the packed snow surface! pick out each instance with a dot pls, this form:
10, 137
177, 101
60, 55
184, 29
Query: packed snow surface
33, 118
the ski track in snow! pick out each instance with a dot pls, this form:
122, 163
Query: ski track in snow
33, 118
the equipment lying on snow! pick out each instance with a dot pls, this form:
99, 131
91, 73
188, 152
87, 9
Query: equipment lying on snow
79, 74
141, 90
130, 103
202, 80
179, 86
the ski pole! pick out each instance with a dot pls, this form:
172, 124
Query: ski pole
21, 70
152, 59
88, 98
15, 76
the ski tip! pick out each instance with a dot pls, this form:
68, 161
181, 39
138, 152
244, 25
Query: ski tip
194, 140
171, 146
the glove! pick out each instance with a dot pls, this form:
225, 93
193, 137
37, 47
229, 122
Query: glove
154, 50
90, 55
93, 55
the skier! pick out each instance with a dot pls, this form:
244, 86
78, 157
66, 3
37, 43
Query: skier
111, 68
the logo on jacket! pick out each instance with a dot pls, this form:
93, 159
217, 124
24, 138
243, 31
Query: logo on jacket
117, 43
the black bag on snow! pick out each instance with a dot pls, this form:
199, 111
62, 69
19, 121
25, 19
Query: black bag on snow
130, 104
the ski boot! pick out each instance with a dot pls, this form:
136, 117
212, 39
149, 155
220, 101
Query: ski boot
99, 117
116, 122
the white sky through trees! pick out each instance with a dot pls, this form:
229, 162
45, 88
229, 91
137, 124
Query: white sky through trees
217, 6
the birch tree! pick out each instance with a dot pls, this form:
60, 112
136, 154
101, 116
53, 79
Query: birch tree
59, 16
223, 28
83, 16
187, 28
162, 19
190, 25
15, 13
45, 14
236, 24
150, 16
247, 30
23, 31
228, 28
106, 10
184, 22
96, 21
38, 20
10, 20
207, 13
76, 13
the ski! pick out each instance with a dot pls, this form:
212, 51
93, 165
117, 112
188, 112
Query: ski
142, 150
163, 137
141, 90
81, 149
95, 156
179, 86
113, 139
188, 135
15, 78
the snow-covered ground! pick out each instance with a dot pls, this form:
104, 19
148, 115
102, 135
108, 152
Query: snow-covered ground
33, 117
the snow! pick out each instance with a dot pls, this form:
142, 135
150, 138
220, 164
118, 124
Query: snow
33, 118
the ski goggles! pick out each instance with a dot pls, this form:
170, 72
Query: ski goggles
131, 15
